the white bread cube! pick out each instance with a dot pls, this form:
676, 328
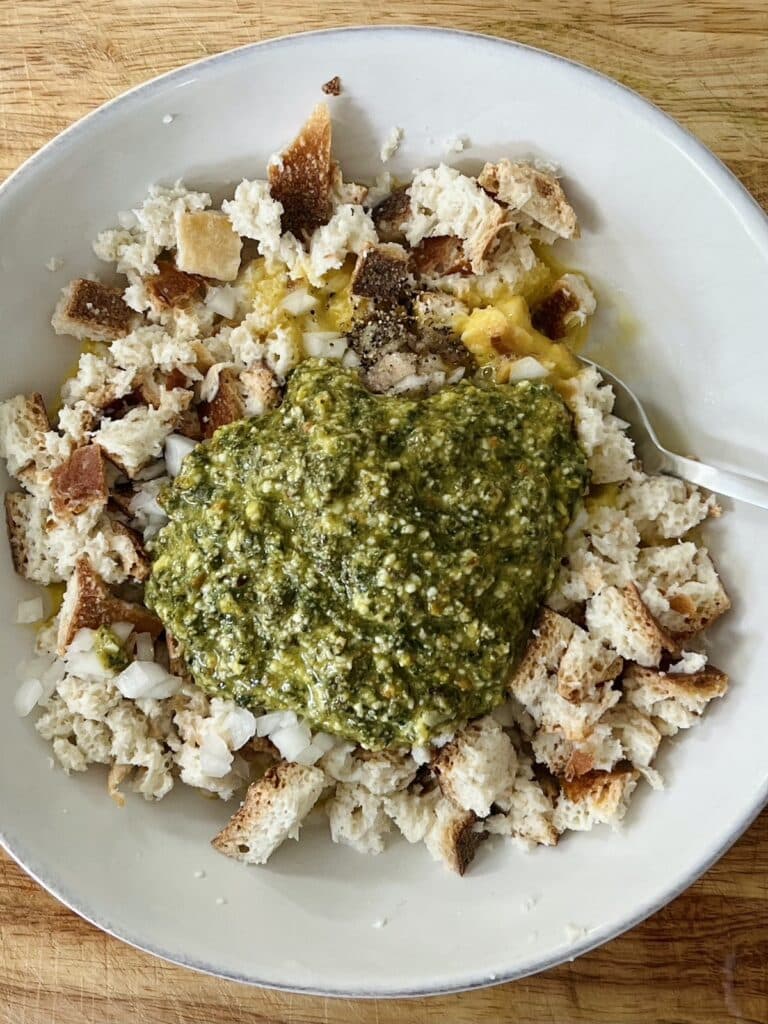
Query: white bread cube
622, 620
477, 766
357, 818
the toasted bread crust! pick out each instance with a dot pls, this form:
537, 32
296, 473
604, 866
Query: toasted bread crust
462, 842
225, 407
138, 566
79, 483
14, 515
381, 274
171, 287
439, 256
391, 215
551, 315
600, 788
89, 604
706, 684
89, 308
537, 193
655, 634
261, 809
302, 180
333, 86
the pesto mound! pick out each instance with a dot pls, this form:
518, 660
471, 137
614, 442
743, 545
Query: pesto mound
372, 563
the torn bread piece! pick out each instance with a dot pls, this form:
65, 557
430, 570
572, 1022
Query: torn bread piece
601, 549
602, 435
476, 766
536, 193
127, 545
301, 178
259, 389
136, 438
568, 759
226, 406
585, 666
89, 603
525, 810
453, 837
620, 618
357, 818
594, 799
391, 215
208, 245
171, 288
274, 809
80, 483
570, 303
382, 274
664, 508
90, 310
380, 772
413, 813
681, 586
440, 256
26, 518
23, 427
446, 202
673, 700
535, 681
638, 736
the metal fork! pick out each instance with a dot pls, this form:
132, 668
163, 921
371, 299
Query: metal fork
657, 459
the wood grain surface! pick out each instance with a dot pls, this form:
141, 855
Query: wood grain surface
704, 958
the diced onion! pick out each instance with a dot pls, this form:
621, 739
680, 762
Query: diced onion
324, 344
292, 740
145, 648
240, 725
87, 665
27, 695
176, 448
274, 720
527, 368
298, 301
122, 630
323, 741
83, 640
309, 755
147, 679
29, 611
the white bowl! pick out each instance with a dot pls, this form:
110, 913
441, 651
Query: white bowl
679, 252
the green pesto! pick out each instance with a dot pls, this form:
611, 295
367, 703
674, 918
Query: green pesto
110, 649
372, 563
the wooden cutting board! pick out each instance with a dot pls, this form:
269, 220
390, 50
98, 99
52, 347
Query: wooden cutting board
702, 959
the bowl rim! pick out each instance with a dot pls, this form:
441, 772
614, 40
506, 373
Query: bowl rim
755, 221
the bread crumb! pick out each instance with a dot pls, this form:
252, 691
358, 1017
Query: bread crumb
333, 86
391, 143
380, 923
54, 263
574, 932
199, 874
220, 901
167, 118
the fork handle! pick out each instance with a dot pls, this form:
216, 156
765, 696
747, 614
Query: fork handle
752, 489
